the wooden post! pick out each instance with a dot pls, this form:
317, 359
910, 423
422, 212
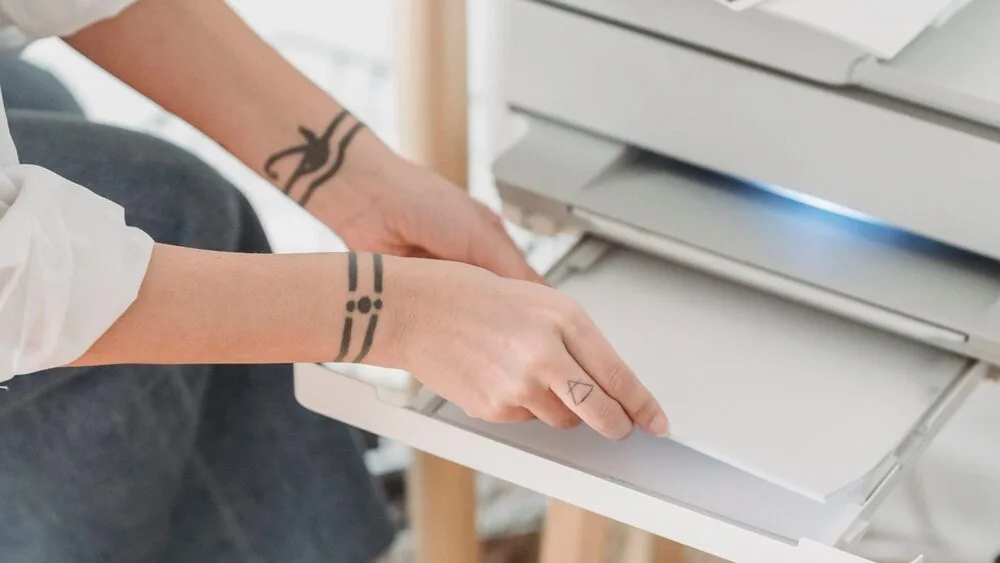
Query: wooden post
574, 535
643, 547
430, 61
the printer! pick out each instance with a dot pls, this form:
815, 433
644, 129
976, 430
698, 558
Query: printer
857, 176
788, 224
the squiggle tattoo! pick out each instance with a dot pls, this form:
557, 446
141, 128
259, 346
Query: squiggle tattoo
366, 305
313, 155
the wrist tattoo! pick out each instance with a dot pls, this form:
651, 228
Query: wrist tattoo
579, 391
369, 305
314, 157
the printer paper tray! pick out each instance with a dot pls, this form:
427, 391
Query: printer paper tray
654, 484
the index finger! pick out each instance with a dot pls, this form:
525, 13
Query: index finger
592, 351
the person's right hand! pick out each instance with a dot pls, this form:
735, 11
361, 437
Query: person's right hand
507, 350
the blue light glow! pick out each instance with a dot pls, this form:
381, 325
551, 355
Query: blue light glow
817, 203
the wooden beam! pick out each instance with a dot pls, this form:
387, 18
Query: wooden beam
574, 535
431, 77
442, 505
431, 69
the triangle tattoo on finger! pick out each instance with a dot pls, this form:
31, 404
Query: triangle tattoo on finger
579, 391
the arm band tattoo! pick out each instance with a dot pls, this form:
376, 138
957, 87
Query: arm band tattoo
314, 155
369, 305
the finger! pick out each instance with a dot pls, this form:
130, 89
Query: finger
496, 252
505, 416
597, 357
476, 236
585, 398
550, 410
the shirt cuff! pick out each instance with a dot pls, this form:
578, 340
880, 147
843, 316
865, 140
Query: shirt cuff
69, 268
38, 19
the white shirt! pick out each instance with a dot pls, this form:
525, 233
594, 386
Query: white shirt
69, 266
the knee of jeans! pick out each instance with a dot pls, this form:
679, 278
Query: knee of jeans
196, 204
167, 191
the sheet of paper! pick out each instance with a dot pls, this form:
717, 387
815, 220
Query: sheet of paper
789, 394
881, 27
739, 5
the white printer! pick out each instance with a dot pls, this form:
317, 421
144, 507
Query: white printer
792, 235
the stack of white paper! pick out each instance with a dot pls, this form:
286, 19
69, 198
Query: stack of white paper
800, 398
881, 27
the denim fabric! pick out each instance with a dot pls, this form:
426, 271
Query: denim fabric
168, 463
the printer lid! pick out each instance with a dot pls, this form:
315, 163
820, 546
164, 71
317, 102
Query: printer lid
882, 28
951, 68
750, 35
945, 64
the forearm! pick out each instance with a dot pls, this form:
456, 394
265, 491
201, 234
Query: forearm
198, 307
200, 61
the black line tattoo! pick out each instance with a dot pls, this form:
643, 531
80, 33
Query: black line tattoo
579, 391
369, 338
352, 286
313, 154
377, 263
366, 305
332, 171
352, 273
345, 338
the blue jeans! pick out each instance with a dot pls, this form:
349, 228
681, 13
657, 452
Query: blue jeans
194, 463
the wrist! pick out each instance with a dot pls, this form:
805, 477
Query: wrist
396, 304
367, 166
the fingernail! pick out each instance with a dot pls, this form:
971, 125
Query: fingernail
658, 426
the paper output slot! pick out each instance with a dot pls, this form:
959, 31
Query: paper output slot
770, 282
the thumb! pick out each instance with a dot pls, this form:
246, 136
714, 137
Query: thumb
495, 251
475, 239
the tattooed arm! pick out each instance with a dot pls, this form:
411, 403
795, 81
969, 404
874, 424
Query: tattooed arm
199, 306
503, 350
201, 62
198, 60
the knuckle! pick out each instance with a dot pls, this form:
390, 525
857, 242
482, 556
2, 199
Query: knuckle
605, 413
536, 360
488, 410
572, 311
523, 392
616, 378
568, 421
498, 414
646, 410
611, 421
573, 319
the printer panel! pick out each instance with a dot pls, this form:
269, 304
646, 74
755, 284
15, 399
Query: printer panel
928, 176
847, 266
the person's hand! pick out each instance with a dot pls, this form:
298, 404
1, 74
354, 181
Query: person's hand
509, 350
385, 204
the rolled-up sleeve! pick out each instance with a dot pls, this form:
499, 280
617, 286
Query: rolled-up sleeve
69, 268
37, 19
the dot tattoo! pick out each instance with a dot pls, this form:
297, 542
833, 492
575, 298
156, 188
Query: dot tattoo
366, 305
579, 391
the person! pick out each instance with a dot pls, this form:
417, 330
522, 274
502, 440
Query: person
146, 332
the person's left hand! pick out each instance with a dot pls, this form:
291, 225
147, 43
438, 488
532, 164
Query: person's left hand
385, 204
